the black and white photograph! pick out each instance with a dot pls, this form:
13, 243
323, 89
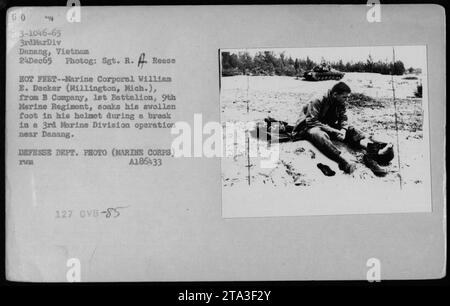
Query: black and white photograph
235, 144
332, 120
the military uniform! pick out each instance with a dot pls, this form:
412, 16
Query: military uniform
318, 122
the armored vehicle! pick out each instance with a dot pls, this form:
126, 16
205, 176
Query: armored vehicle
323, 72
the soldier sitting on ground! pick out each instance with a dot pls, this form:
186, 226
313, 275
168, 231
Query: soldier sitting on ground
323, 120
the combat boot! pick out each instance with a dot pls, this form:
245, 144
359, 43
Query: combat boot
370, 159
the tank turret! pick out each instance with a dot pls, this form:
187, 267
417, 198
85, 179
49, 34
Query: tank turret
322, 73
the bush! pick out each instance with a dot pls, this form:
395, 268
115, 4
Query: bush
361, 100
418, 93
269, 63
230, 72
290, 71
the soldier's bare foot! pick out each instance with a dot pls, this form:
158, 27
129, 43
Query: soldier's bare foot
386, 148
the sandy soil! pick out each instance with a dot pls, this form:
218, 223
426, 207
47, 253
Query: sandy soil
283, 97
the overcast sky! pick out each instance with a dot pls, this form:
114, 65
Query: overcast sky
411, 56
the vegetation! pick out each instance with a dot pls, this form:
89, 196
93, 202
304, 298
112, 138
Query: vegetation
418, 93
267, 63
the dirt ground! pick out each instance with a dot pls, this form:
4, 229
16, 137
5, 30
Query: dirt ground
371, 109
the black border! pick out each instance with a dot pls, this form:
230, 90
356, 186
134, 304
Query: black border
168, 291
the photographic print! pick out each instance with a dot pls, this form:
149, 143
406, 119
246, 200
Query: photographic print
278, 143
324, 130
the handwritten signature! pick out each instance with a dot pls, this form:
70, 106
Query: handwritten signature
113, 212
142, 60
